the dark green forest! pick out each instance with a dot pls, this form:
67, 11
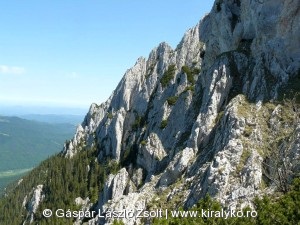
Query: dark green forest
64, 180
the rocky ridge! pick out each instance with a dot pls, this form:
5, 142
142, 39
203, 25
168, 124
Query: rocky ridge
186, 112
206, 117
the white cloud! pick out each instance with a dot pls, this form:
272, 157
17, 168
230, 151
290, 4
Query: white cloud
4, 69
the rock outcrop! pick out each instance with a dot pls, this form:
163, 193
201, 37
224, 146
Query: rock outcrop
207, 117
33, 203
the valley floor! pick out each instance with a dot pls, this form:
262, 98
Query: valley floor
9, 176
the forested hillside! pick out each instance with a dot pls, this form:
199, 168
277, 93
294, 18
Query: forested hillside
25, 143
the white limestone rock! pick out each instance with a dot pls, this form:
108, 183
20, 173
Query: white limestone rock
32, 205
114, 187
151, 153
177, 167
242, 52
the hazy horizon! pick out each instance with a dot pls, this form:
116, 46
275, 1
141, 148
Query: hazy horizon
18, 110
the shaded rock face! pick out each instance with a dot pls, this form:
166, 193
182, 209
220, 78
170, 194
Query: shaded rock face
204, 113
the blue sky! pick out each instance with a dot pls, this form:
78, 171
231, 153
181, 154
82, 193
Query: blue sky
74, 52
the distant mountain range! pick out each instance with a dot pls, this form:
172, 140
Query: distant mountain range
19, 110
25, 143
54, 118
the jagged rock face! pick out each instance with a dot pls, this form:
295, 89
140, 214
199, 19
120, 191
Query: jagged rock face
199, 112
222, 177
151, 152
33, 203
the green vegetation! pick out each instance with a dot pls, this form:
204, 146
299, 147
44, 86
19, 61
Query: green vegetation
163, 124
219, 117
189, 88
138, 123
162, 199
11, 176
248, 131
204, 204
168, 75
126, 155
172, 100
286, 118
276, 122
269, 210
112, 167
11, 173
118, 222
282, 210
64, 180
143, 142
150, 71
190, 73
196, 71
109, 115
25, 143
245, 155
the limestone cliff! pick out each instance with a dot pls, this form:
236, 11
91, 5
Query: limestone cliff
207, 117
203, 115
